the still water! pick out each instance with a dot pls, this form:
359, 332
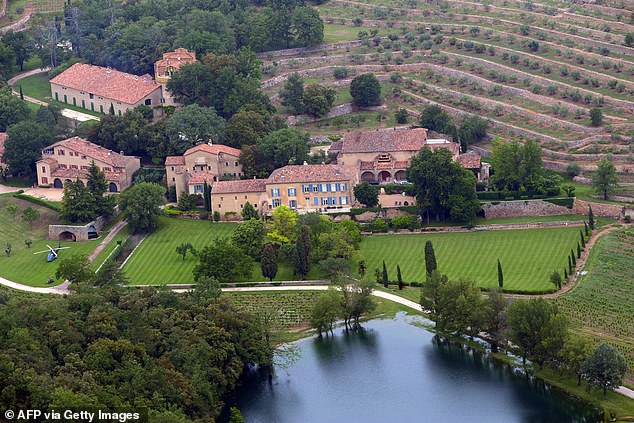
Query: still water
396, 372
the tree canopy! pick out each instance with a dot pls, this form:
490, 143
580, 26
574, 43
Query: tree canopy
140, 206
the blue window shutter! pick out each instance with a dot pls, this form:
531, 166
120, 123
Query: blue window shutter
316, 201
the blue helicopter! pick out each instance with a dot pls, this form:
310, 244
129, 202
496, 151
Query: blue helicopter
52, 252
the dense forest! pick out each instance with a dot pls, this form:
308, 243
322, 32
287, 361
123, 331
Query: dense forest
112, 348
131, 36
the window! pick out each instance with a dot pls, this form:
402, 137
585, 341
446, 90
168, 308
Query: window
73, 166
292, 204
56, 97
227, 164
198, 189
325, 201
316, 201
316, 188
172, 167
148, 101
43, 169
92, 96
119, 113
333, 187
275, 192
48, 151
173, 179
60, 152
343, 201
236, 163
305, 188
83, 104
292, 192
101, 108
44, 180
83, 157
63, 166
84, 167
276, 202
338, 186
344, 187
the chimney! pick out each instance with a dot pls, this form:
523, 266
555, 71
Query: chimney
305, 163
121, 152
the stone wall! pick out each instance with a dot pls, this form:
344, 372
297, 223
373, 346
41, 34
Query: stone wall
521, 208
598, 209
79, 231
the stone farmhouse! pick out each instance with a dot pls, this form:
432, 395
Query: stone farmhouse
203, 163
100, 89
384, 155
164, 69
3, 138
70, 159
306, 188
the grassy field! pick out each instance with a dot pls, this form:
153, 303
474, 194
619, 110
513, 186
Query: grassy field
600, 221
23, 266
527, 256
156, 262
601, 306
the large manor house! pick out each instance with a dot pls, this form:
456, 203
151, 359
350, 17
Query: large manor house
380, 156
106, 90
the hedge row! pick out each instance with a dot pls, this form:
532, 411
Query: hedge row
37, 201
512, 195
567, 202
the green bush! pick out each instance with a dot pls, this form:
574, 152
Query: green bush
568, 202
378, 225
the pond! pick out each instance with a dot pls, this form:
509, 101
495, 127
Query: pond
398, 372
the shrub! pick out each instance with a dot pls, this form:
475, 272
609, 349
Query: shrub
378, 225
340, 72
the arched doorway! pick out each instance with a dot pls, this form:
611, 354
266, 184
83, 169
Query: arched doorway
112, 187
368, 177
401, 175
67, 181
385, 176
67, 236
57, 183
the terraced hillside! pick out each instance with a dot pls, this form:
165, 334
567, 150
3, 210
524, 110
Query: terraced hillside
535, 70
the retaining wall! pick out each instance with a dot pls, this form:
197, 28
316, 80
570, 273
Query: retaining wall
521, 208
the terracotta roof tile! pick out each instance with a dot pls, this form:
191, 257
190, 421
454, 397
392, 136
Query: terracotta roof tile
384, 140
244, 185
49, 160
312, 173
3, 138
200, 178
92, 151
174, 161
214, 149
107, 83
469, 160
173, 59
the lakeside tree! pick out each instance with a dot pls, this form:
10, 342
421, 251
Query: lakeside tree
500, 275
223, 261
249, 237
605, 368
78, 205
140, 206
366, 194
303, 247
268, 261
495, 323
292, 94
365, 90
442, 187
604, 179
326, 311
430, 258
537, 328
430, 293
356, 300
575, 351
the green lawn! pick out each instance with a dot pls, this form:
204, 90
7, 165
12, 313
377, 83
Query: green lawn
600, 221
527, 256
338, 33
601, 306
38, 87
155, 262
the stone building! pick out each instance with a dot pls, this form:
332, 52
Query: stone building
70, 159
103, 90
473, 162
203, 163
306, 188
164, 69
384, 155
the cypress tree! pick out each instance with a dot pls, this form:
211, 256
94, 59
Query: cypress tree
268, 261
21, 93
385, 278
569, 265
399, 278
207, 196
583, 240
566, 274
302, 262
500, 275
111, 111
578, 251
586, 228
590, 218
430, 258
573, 258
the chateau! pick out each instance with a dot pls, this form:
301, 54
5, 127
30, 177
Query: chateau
70, 159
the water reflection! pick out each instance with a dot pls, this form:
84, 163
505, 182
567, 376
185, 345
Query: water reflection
396, 372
